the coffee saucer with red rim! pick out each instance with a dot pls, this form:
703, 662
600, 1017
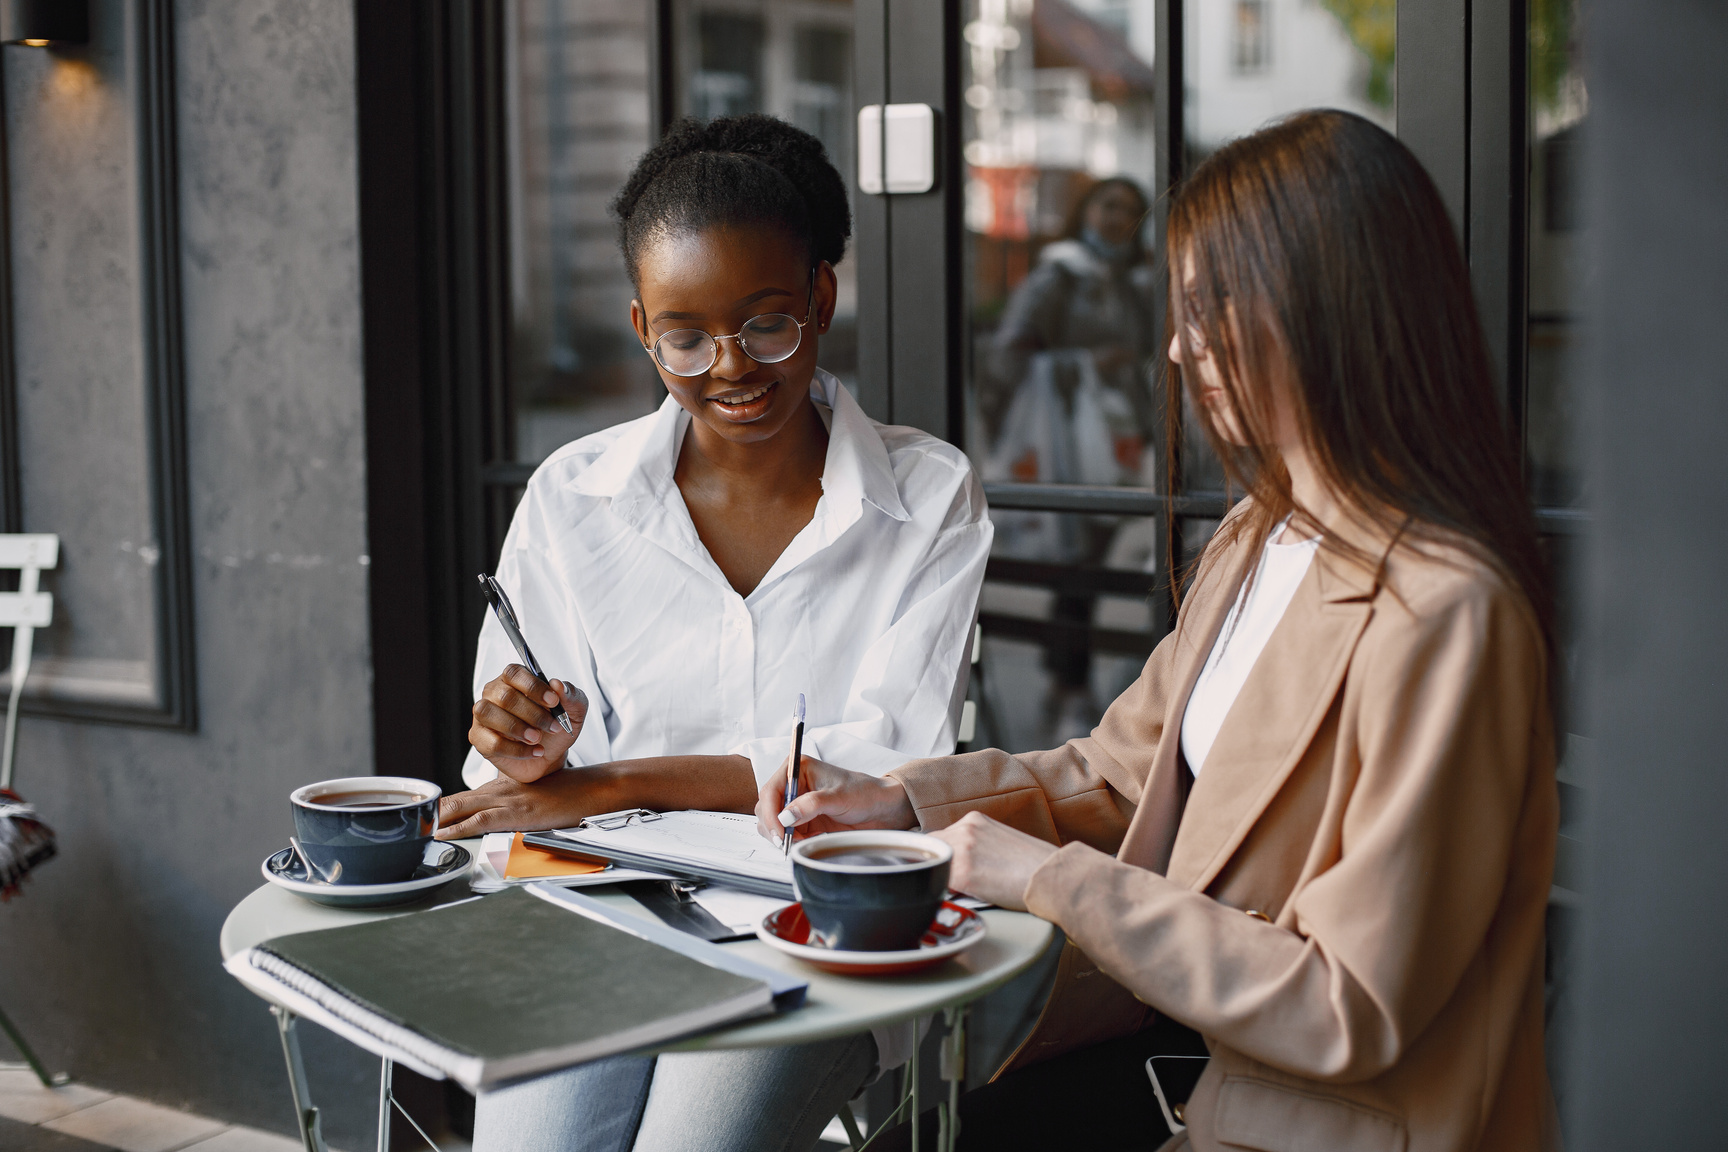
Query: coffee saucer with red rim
954, 930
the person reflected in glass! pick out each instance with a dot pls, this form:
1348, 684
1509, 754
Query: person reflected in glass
1066, 399
685, 577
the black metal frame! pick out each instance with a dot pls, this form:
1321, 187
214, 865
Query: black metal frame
433, 198
911, 354
164, 383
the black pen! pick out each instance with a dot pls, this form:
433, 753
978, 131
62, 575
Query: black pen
507, 618
792, 770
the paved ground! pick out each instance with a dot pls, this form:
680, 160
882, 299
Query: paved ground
77, 1118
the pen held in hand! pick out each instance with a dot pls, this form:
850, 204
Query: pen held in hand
507, 620
792, 769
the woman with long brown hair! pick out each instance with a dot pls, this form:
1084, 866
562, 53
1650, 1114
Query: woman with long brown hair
1319, 830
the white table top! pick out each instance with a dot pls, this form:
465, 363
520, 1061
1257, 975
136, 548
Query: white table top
835, 1006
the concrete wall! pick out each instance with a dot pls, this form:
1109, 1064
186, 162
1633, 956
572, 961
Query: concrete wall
109, 962
1653, 1019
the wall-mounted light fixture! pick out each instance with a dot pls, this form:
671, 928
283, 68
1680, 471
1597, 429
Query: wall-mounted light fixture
44, 23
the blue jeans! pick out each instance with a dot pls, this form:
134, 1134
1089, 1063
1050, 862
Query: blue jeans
755, 1100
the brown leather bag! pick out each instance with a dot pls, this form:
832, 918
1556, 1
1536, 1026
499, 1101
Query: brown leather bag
1085, 1007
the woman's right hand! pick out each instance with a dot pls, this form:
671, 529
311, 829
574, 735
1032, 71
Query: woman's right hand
513, 725
832, 799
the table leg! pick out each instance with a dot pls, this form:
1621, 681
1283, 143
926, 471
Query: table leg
385, 1099
912, 1071
304, 1112
854, 1138
49, 1079
953, 1069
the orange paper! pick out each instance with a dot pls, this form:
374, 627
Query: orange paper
530, 863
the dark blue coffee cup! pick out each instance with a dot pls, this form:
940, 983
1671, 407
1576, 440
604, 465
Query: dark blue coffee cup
873, 891
365, 829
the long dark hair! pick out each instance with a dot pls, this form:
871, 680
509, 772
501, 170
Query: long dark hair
1319, 248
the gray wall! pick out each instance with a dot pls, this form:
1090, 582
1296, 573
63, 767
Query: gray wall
1654, 1013
109, 961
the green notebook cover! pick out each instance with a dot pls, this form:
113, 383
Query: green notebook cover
507, 986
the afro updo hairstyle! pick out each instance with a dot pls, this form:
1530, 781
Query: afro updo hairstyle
737, 170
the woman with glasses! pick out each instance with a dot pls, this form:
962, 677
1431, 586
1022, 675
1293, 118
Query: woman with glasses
687, 576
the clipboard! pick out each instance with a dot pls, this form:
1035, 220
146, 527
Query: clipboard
706, 847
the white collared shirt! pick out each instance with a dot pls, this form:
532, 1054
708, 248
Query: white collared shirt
868, 612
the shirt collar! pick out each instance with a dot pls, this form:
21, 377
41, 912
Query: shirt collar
857, 467
642, 460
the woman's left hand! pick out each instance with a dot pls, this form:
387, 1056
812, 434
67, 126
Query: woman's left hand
561, 800
993, 861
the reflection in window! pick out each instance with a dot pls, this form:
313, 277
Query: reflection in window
728, 76
1058, 638
1059, 151
1253, 48
578, 75
786, 58
1303, 54
1251, 61
1059, 162
822, 90
1558, 104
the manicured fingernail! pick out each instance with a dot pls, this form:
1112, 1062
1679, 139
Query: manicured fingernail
787, 819
537, 752
551, 697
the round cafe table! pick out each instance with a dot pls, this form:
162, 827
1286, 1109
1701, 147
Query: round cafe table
835, 1005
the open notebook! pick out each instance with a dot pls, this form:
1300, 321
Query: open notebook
509, 986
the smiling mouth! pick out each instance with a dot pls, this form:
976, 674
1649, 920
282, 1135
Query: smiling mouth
740, 399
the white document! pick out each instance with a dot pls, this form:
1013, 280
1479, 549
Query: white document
739, 911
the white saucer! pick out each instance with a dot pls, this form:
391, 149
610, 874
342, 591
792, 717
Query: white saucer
427, 878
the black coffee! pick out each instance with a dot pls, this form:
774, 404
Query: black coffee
873, 856
371, 798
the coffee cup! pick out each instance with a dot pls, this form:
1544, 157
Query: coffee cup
870, 891
365, 829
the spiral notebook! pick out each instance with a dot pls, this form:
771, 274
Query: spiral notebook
510, 986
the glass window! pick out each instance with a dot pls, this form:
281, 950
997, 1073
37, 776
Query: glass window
1558, 103
1248, 61
1058, 637
1559, 278
1064, 308
791, 59
580, 117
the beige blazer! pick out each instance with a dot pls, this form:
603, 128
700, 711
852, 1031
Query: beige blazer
1350, 904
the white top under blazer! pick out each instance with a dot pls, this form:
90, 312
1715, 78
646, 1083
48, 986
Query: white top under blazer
1258, 608
868, 612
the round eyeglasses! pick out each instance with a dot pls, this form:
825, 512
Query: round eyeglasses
765, 339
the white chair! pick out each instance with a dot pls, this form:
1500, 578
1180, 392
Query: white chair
23, 611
